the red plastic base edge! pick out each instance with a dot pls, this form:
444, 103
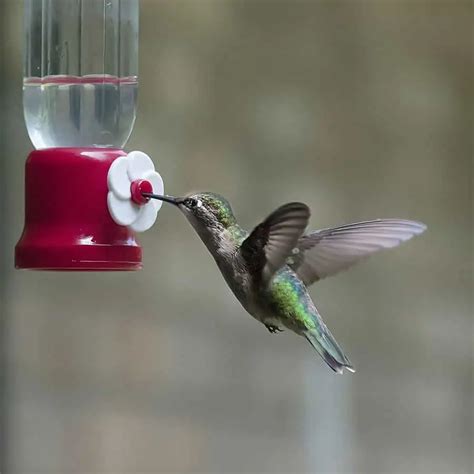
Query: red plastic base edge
67, 221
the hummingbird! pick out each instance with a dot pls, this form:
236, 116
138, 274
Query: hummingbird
270, 268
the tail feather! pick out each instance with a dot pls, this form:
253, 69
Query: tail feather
323, 341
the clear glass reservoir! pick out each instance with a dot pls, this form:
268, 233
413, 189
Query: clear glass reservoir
80, 72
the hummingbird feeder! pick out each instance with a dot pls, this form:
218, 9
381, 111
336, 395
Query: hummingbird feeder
83, 193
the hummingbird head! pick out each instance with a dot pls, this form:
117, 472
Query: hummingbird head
210, 214
208, 210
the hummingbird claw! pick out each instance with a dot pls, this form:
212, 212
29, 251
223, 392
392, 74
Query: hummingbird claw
273, 329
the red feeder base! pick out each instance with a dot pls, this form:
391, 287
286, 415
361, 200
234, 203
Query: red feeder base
67, 221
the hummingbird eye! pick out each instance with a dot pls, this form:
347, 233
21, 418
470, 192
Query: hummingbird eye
192, 203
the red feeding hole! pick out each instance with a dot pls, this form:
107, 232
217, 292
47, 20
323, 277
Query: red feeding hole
137, 189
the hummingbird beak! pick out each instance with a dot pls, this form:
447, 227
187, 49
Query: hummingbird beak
169, 199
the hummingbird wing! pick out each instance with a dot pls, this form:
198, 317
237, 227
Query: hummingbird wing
267, 247
328, 251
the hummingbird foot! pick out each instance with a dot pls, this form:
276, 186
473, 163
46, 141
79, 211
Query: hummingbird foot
273, 329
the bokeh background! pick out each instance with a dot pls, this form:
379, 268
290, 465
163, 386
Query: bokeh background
361, 109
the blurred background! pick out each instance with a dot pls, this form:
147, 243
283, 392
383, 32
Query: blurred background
361, 109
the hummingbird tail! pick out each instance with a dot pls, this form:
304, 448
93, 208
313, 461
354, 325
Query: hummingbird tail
323, 341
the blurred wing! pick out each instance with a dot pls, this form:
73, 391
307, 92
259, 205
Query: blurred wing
326, 252
266, 249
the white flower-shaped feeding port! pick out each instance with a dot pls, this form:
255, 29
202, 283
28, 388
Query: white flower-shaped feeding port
130, 176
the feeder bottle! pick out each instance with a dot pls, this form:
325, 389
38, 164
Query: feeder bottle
80, 98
